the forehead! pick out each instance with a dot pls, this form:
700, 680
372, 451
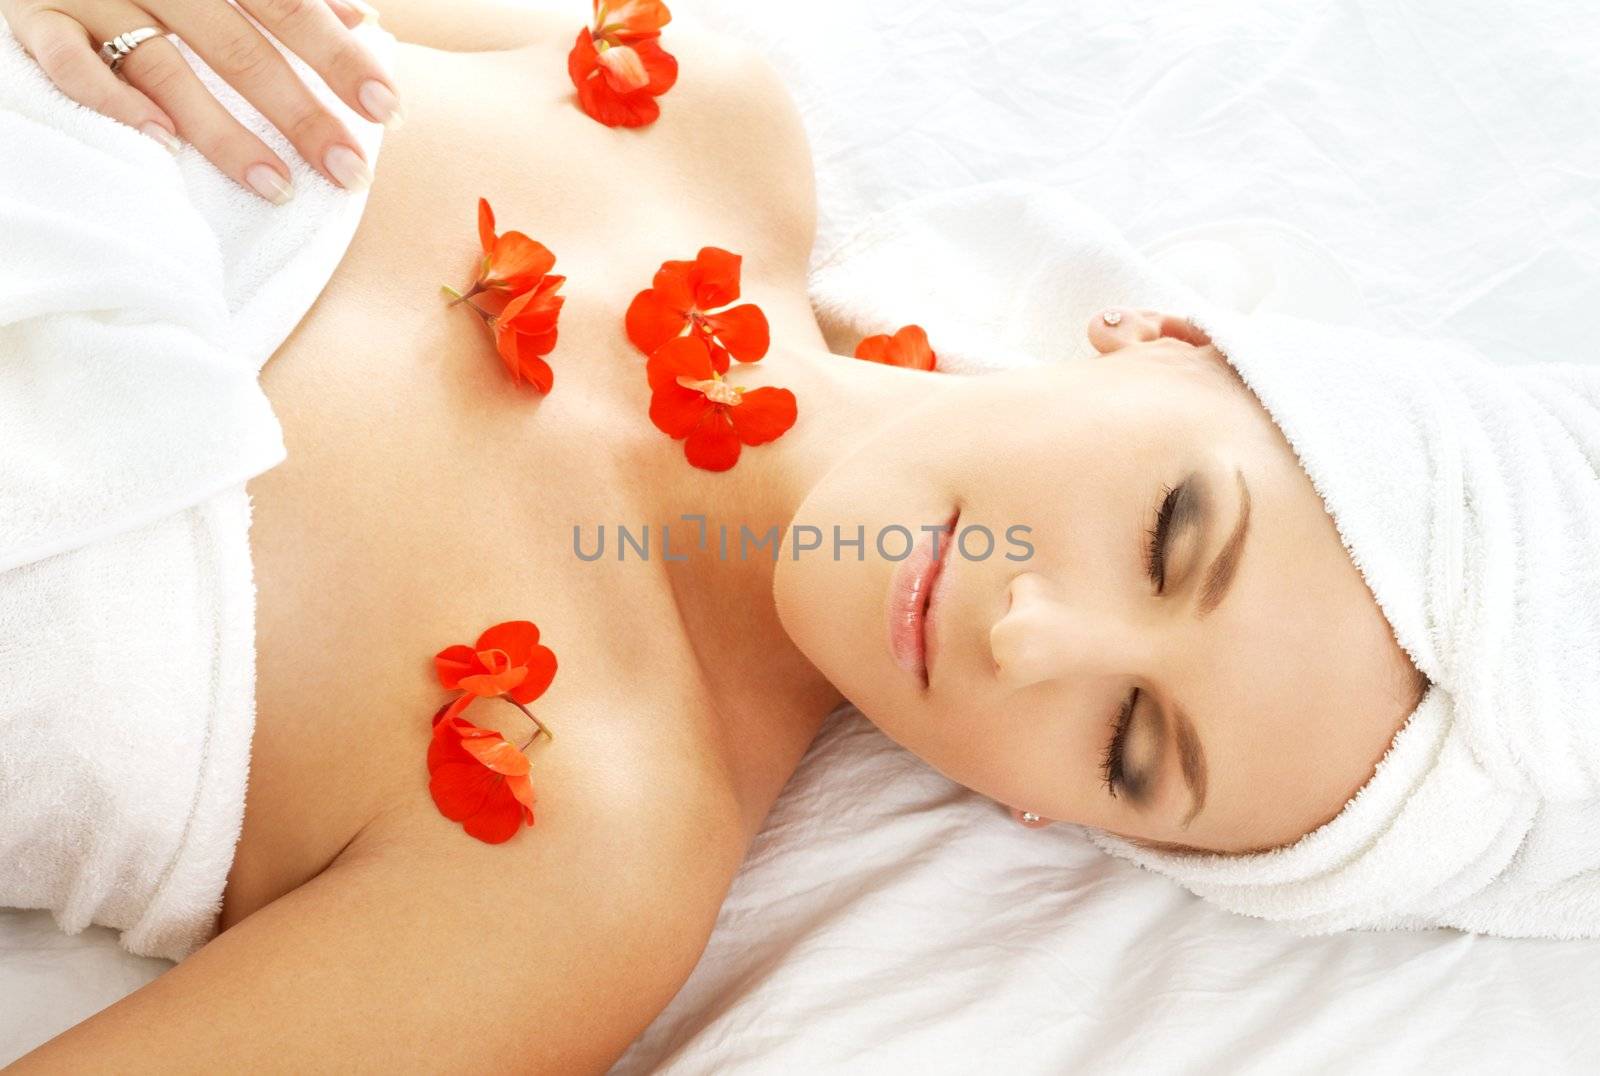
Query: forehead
1314, 685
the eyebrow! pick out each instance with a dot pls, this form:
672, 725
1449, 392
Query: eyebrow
1218, 578
1192, 760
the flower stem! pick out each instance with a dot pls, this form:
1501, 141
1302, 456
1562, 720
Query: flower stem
536, 721
460, 298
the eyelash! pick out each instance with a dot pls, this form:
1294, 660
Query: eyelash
1155, 554
1111, 764
1155, 560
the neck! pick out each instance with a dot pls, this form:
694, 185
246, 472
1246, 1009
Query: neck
724, 589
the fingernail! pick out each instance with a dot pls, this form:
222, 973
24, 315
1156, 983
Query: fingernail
381, 103
162, 135
268, 183
368, 12
348, 168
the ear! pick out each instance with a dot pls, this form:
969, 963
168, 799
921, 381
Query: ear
1016, 816
1134, 326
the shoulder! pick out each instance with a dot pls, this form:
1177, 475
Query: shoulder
550, 952
733, 112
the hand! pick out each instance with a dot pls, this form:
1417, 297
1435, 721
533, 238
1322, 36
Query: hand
165, 99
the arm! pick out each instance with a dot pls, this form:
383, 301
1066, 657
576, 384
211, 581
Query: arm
422, 948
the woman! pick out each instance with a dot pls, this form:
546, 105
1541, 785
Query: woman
425, 497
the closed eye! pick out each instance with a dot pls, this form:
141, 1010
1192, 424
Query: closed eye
1155, 554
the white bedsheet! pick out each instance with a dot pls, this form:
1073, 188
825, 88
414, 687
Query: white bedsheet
886, 920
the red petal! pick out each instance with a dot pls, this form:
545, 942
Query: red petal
652, 321
634, 18
538, 372
445, 746
518, 262
541, 666
659, 64
683, 356
874, 348
908, 347
676, 411
539, 308
715, 278
493, 685
454, 662
522, 789
460, 789
516, 637
453, 710
763, 415
719, 354
604, 104
583, 59
513, 309
713, 446
485, 225
622, 68
595, 97
508, 342
519, 639
673, 283
743, 331
498, 820
494, 753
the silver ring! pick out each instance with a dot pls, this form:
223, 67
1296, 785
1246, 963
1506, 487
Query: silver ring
116, 50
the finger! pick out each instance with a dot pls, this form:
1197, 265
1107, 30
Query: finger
64, 51
312, 32
353, 12
159, 69
238, 52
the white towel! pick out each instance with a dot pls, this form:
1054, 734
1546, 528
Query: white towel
140, 294
1468, 495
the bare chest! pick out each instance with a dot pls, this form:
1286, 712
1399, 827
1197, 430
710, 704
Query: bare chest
426, 497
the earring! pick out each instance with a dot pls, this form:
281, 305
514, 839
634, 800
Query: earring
1029, 817
1112, 317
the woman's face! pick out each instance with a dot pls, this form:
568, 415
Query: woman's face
1264, 682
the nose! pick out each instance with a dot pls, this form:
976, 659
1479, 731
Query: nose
1045, 636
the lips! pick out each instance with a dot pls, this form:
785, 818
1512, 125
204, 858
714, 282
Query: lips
910, 603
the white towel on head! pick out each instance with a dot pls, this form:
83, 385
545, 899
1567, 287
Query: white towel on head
1468, 494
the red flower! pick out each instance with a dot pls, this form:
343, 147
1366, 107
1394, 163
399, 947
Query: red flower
525, 331
630, 20
506, 660
684, 296
523, 306
908, 348
689, 399
619, 66
477, 778
511, 261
